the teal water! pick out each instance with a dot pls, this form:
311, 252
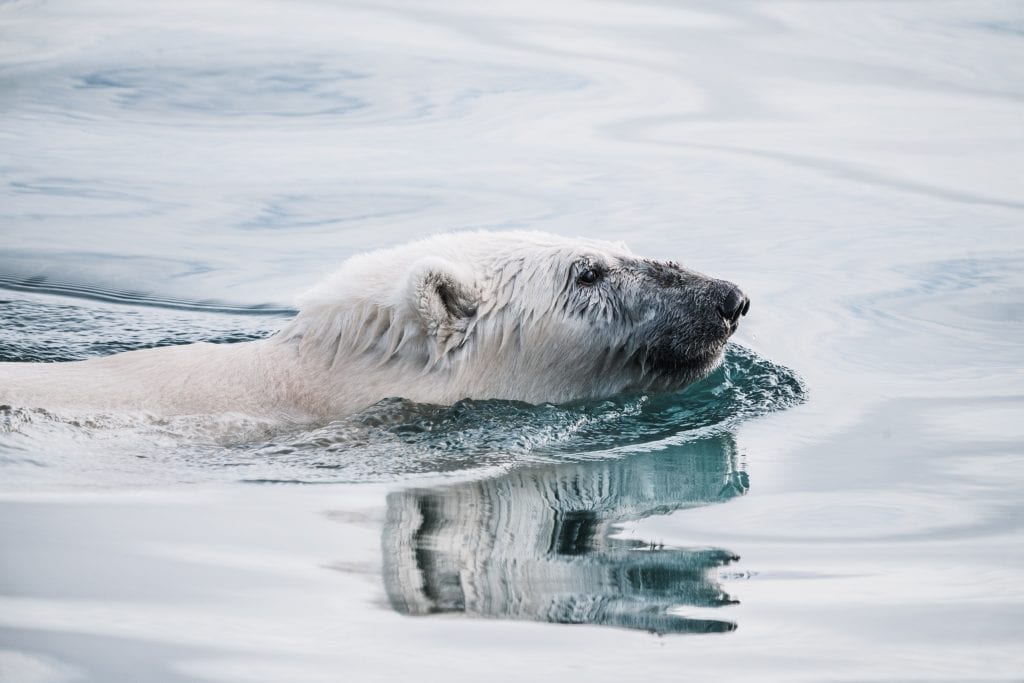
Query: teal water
840, 501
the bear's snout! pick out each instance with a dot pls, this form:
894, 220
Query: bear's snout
733, 303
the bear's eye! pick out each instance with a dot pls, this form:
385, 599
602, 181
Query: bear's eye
588, 276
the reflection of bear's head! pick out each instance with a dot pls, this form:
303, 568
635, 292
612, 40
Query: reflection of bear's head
518, 315
540, 543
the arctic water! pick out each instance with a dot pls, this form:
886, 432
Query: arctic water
839, 501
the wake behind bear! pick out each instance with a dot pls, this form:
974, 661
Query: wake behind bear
524, 316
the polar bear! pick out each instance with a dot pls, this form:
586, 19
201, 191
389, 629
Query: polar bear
517, 315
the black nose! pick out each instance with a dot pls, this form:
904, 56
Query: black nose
734, 305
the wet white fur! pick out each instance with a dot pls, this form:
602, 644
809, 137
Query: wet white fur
377, 328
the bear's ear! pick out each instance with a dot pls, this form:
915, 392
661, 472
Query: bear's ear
442, 295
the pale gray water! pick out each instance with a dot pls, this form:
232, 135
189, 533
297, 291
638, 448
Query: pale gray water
841, 501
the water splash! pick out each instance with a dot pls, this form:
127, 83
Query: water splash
398, 436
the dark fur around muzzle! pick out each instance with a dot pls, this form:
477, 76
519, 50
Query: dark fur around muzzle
691, 316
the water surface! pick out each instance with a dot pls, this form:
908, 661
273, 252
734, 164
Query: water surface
840, 501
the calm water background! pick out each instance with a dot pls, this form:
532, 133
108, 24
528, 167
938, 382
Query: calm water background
856, 167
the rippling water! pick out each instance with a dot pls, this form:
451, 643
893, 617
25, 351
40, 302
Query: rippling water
839, 501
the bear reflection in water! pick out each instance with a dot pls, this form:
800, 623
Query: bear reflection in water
538, 543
